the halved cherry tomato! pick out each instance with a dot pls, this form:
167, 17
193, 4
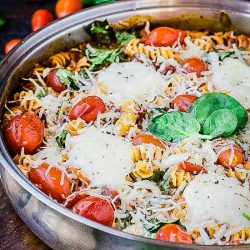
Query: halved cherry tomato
87, 109
183, 102
231, 158
96, 209
24, 131
190, 167
173, 233
149, 139
52, 182
194, 65
40, 18
11, 44
53, 81
67, 7
164, 36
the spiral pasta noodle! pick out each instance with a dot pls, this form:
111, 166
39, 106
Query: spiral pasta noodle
178, 176
27, 100
23, 162
74, 126
60, 59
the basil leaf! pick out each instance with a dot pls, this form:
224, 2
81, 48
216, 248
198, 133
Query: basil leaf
155, 228
205, 105
60, 139
247, 216
157, 176
102, 56
43, 92
68, 78
3, 20
124, 37
221, 122
175, 126
226, 54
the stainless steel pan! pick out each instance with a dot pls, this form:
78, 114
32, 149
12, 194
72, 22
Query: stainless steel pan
56, 226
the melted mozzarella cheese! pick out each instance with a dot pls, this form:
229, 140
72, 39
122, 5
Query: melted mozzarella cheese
105, 159
131, 80
215, 197
234, 76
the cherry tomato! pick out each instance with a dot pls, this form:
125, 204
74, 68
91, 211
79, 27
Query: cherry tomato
183, 102
112, 193
149, 139
40, 18
164, 36
231, 158
173, 233
190, 167
52, 182
96, 209
87, 109
194, 65
53, 81
24, 131
11, 44
67, 7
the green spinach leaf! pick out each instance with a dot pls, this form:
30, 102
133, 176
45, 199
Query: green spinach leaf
204, 106
225, 54
43, 92
68, 78
221, 122
165, 184
157, 176
102, 56
60, 139
93, 2
124, 37
247, 216
175, 126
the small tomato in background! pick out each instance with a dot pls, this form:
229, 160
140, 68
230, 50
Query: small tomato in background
40, 18
11, 44
67, 7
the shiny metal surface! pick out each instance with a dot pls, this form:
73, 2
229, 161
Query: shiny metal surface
55, 225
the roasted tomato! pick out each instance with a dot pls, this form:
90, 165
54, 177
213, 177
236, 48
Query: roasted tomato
24, 131
40, 18
149, 139
183, 102
194, 65
11, 44
96, 209
190, 167
173, 233
165, 36
67, 7
87, 109
52, 181
232, 157
53, 81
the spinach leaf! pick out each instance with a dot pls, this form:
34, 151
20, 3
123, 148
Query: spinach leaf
204, 106
101, 32
43, 92
102, 56
68, 78
165, 184
155, 228
175, 126
92, 2
247, 216
2, 20
157, 176
225, 54
124, 37
60, 139
221, 122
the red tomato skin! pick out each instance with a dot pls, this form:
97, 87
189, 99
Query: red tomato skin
190, 167
49, 182
67, 7
24, 131
53, 81
11, 44
87, 109
194, 65
40, 18
96, 209
183, 102
224, 157
149, 139
173, 233
164, 36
